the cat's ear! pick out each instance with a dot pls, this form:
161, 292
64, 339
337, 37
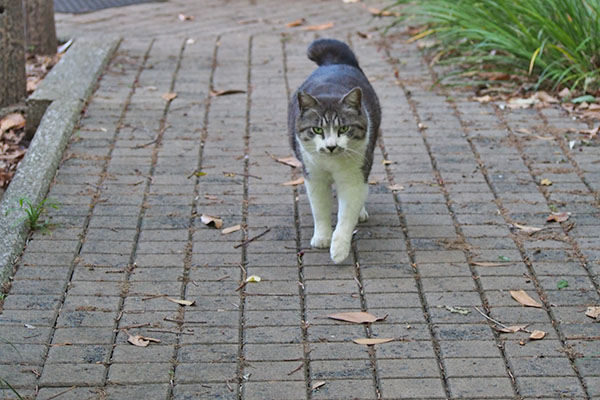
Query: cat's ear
353, 98
306, 101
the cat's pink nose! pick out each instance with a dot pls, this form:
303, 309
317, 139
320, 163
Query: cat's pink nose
331, 148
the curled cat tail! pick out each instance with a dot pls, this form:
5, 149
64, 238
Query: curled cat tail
331, 51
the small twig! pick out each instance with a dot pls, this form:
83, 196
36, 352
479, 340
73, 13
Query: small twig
497, 322
229, 386
141, 146
245, 242
180, 321
132, 326
168, 331
61, 393
154, 296
298, 368
223, 278
242, 285
242, 174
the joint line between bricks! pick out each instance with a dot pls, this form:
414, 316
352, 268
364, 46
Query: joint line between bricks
416, 275
244, 254
96, 194
301, 288
193, 212
361, 292
143, 208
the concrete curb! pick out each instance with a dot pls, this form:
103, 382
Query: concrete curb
56, 105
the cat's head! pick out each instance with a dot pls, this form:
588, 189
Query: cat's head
331, 125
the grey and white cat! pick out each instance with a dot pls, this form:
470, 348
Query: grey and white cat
333, 123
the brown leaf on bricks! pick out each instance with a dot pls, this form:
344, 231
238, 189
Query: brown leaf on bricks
358, 317
295, 182
183, 17
169, 96
526, 228
537, 335
291, 161
231, 229
372, 341
140, 341
295, 23
321, 27
593, 312
546, 182
558, 217
396, 187
491, 264
226, 92
317, 384
382, 13
209, 220
524, 299
181, 302
11, 121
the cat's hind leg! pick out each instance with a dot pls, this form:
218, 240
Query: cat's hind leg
319, 192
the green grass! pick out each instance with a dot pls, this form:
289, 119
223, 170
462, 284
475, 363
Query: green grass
34, 213
550, 43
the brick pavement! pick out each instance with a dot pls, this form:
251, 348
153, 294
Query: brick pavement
129, 230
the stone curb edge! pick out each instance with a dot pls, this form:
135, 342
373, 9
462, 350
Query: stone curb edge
58, 101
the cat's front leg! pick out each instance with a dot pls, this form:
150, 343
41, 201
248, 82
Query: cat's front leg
351, 201
319, 194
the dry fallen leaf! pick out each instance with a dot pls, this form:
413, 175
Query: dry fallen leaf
382, 13
524, 299
183, 17
593, 312
545, 97
372, 341
537, 335
546, 182
387, 162
518, 102
253, 278
491, 264
513, 328
181, 302
396, 187
527, 229
317, 384
320, 27
209, 220
12, 121
358, 317
231, 229
558, 217
291, 161
140, 341
295, 23
226, 92
295, 182
169, 96
483, 99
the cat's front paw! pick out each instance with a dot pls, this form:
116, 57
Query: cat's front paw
321, 241
363, 216
340, 247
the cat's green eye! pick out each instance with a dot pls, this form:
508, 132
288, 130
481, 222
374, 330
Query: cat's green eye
317, 130
343, 128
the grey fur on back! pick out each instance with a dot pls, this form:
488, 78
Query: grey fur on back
338, 73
